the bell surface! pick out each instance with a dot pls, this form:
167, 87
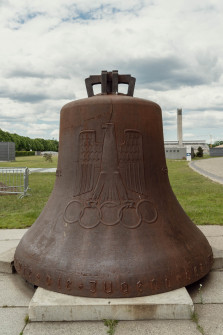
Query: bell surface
112, 226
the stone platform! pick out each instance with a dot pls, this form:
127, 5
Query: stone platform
51, 306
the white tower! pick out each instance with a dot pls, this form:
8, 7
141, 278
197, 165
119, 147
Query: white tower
179, 127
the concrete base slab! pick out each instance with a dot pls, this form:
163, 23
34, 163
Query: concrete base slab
51, 306
14, 291
211, 290
7, 260
12, 320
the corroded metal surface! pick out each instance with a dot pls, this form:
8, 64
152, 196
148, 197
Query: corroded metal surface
112, 226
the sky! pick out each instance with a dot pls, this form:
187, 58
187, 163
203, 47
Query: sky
173, 48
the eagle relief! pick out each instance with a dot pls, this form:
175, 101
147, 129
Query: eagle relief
110, 183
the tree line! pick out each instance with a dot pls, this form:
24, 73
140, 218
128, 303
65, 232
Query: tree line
216, 143
23, 143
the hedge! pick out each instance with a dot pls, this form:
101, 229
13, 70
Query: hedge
24, 153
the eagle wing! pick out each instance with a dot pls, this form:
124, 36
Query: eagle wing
131, 163
88, 164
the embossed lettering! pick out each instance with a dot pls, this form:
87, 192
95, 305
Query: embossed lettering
68, 285
93, 286
38, 276
139, 286
108, 287
124, 288
48, 280
80, 286
153, 284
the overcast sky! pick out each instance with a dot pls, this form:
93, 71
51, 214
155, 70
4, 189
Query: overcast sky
174, 49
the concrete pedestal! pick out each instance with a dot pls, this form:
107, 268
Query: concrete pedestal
50, 306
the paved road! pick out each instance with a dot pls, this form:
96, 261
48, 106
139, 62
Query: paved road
211, 168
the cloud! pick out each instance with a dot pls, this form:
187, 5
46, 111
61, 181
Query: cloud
173, 49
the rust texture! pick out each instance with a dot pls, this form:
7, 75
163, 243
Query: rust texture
112, 226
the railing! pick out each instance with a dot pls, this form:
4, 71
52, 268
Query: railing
14, 181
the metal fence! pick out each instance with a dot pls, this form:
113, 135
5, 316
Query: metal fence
14, 181
216, 152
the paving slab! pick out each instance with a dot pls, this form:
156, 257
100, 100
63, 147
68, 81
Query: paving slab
216, 241
157, 327
65, 328
210, 317
211, 291
12, 320
7, 260
211, 230
218, 259
51, 306
14, 291
11, 234
7, 245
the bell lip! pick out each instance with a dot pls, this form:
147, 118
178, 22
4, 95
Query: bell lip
94, 287
119, 295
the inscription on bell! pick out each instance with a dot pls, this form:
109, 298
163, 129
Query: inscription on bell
69, 283
140, 286
124, 288
108, 287
93, 285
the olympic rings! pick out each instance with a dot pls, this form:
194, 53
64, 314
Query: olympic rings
76, 211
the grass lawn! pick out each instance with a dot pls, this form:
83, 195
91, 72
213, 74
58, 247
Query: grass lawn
31, 162
18, 212
201, 198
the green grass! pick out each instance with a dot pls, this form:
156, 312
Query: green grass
201, 198
18, 212
31, 162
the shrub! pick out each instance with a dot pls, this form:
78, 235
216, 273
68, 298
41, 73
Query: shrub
199, 152
48, 157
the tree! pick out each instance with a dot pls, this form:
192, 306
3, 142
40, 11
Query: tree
216, 143
24, 143
199, 152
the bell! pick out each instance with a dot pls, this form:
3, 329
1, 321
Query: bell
112, 226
